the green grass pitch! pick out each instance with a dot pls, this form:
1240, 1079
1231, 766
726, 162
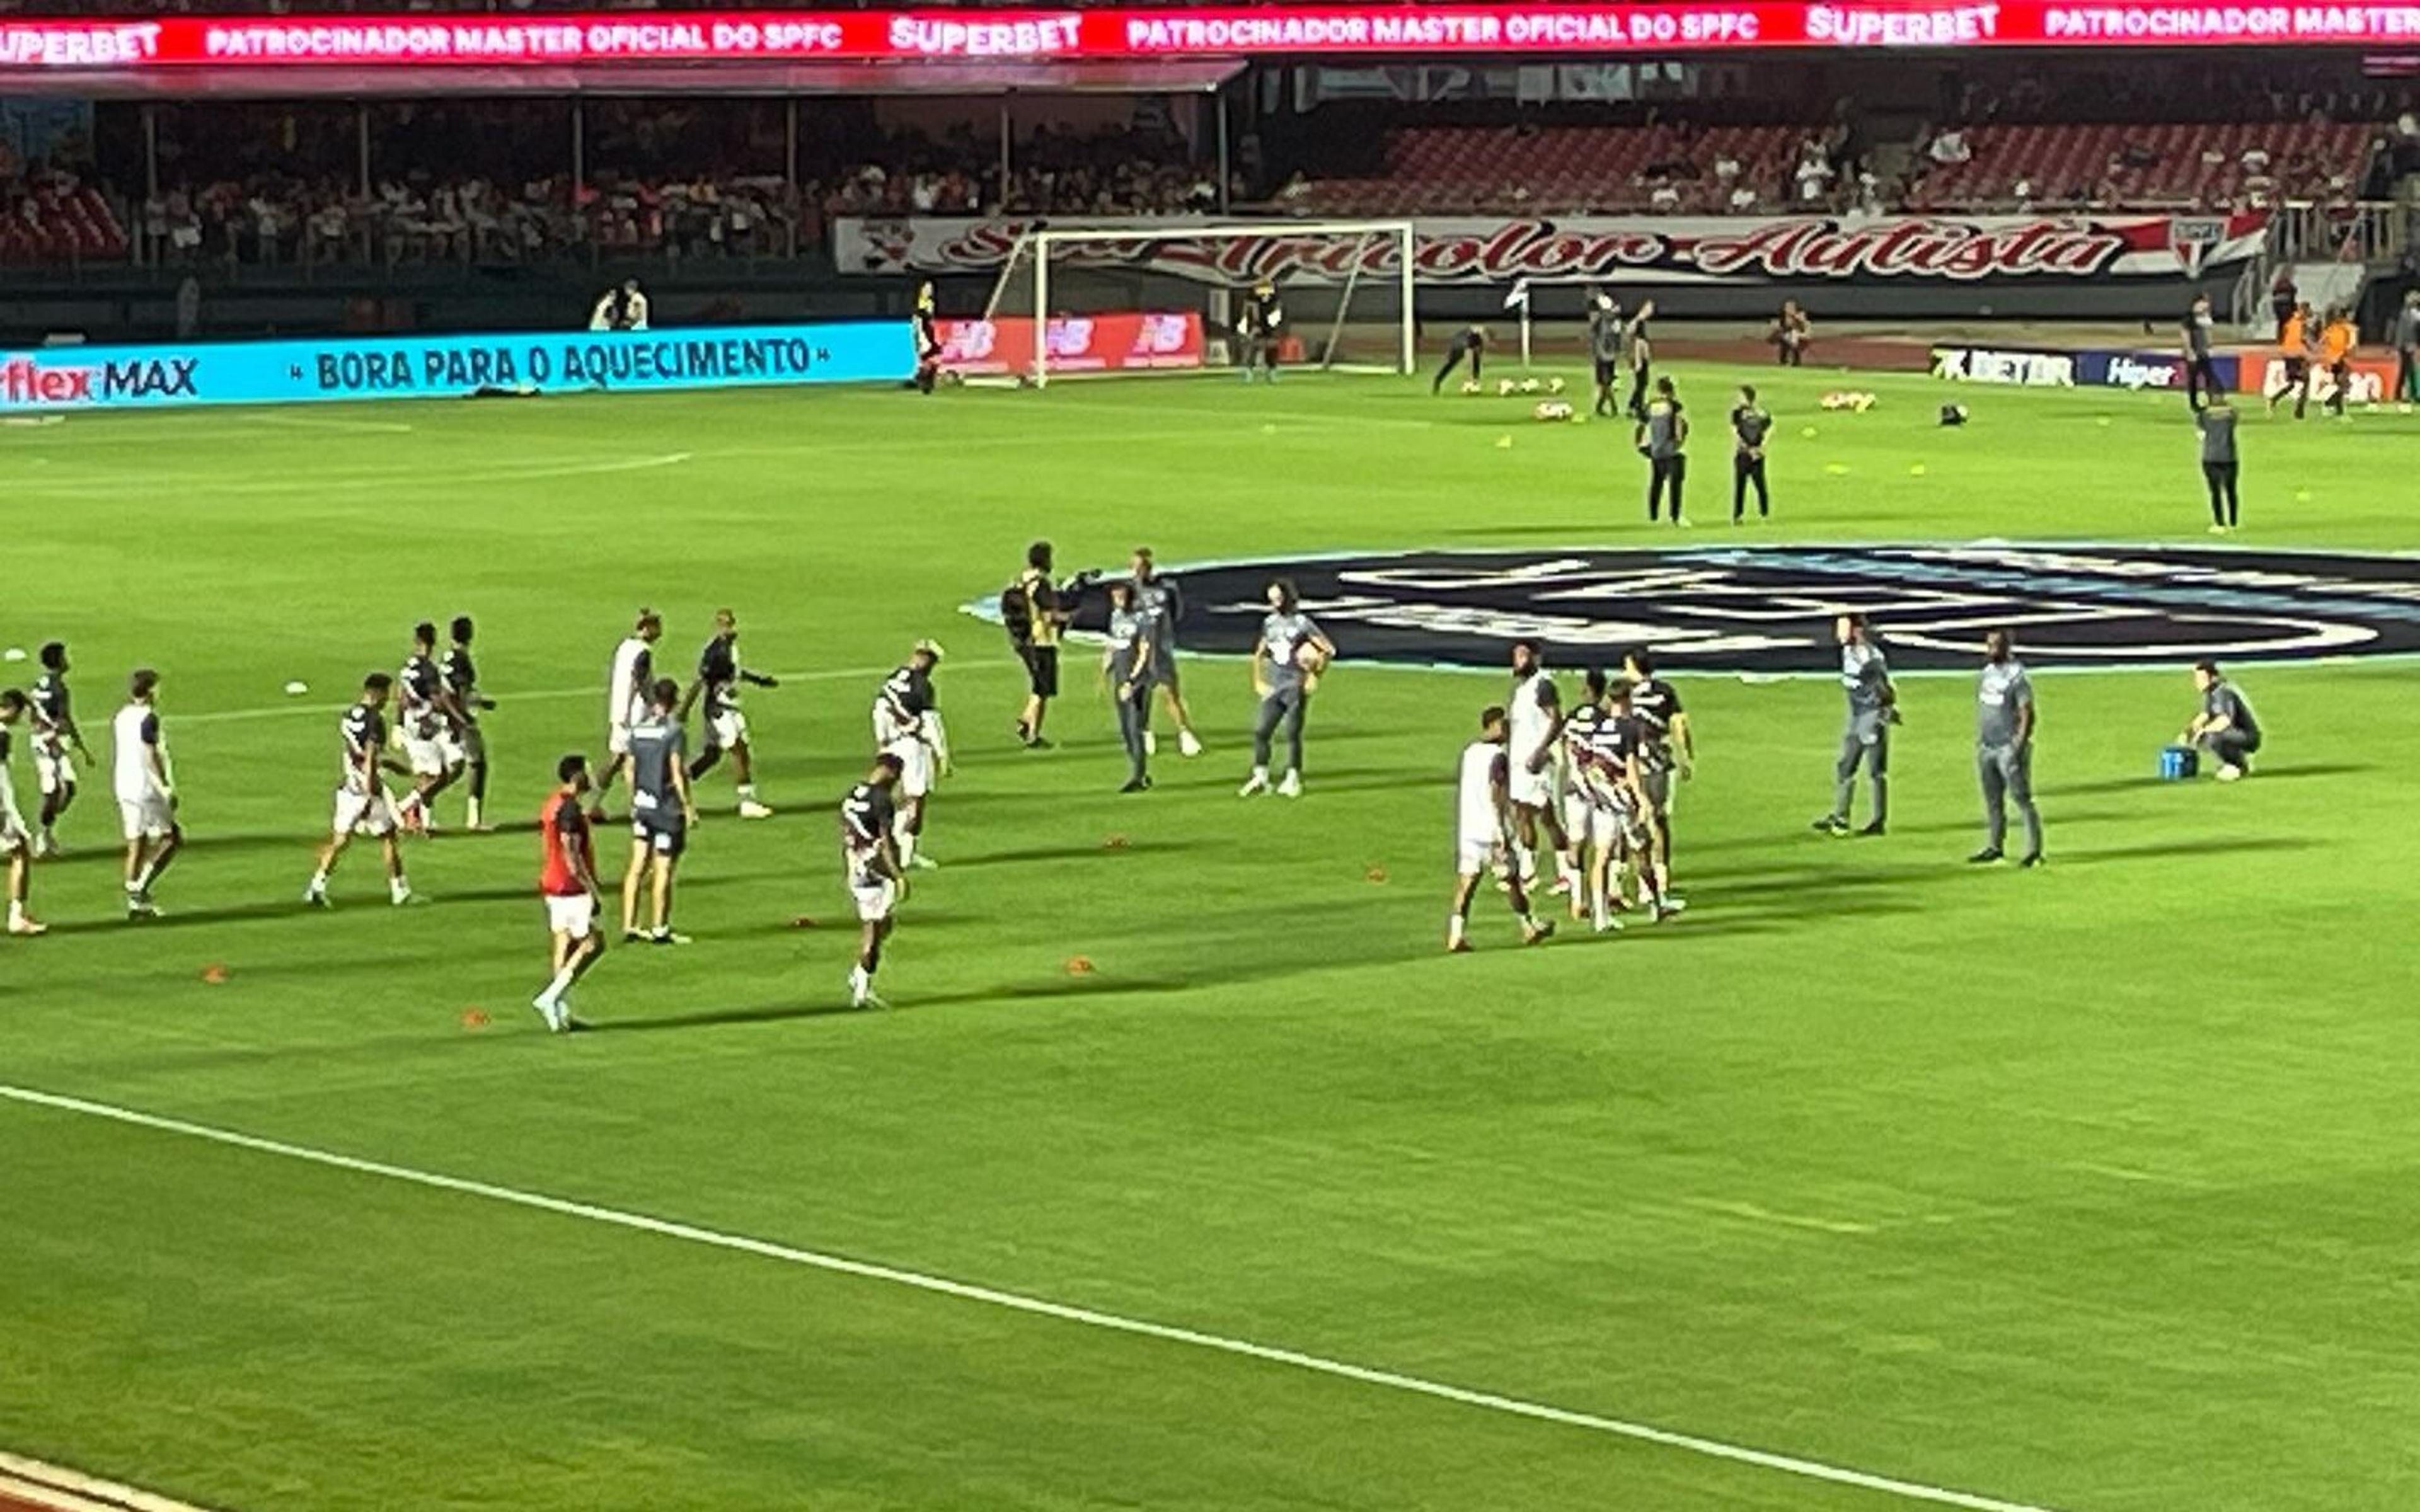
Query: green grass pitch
2087, 1188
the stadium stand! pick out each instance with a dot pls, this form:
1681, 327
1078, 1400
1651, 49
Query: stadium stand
2147, 167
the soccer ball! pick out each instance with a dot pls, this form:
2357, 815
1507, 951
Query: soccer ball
1310, 659
1554, 385
1504, 388
1472, 386
1530, 385
1552, 410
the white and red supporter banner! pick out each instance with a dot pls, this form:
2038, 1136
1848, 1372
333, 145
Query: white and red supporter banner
1125, 33
1124, 342
1601, 250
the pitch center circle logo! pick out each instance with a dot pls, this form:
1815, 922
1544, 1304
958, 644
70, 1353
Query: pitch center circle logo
1771, 610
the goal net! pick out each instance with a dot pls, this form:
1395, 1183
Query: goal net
1160, 297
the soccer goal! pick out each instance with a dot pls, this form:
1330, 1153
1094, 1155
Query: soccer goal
1152, 298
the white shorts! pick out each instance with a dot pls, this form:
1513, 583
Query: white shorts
1608, 829
617, 739
13, 838
915, 765
727, 728
1531, 790
149, 817
367, 813
575, 916
1575, 806
876, 901
53, 772
432, 755
1473, 856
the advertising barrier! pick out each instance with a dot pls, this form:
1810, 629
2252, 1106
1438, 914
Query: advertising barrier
1125, 34
428, 367
2262, 375
2371, 381
1078, 344
1663, 251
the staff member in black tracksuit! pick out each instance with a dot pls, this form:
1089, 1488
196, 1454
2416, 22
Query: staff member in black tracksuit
1471, 342
1751, 423
2218, 470
2201, 374
1638, 355
1261, 327
1662, 437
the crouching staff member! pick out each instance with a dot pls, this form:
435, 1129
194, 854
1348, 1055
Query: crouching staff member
1471, 342
2224, 726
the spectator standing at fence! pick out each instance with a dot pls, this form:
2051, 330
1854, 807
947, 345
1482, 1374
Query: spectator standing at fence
621, 308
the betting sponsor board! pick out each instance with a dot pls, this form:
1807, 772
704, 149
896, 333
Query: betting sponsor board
1121, 33
1771, 610
1707, 251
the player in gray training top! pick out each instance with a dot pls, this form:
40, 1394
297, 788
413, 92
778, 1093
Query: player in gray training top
1604, 331
1162, 604
1126, 667
2407, 350
1874, 708
661, 812
2224, 725
1289, 640
2004, 749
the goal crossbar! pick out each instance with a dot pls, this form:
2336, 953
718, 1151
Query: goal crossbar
1038, 243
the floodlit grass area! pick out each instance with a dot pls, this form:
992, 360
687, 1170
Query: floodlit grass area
2087, 1188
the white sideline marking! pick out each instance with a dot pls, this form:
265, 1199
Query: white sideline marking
1038, 1306
50, 1486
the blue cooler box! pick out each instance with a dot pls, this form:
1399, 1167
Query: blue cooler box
2179, 764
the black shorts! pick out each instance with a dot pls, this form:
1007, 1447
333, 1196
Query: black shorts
1041, 670
660, 834
1609, 372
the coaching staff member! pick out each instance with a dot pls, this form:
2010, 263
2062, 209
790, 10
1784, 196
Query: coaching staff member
1036, 617
1663, 438
2224, 725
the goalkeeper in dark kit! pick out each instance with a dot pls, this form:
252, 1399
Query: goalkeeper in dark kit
928, 341
1259, 329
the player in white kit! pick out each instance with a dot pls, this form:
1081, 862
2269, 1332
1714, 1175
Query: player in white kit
625, 700
146, 792
364, 806
907, 729
1535, 717
1484, 832
16, 839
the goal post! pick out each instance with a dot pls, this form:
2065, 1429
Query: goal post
1346, 286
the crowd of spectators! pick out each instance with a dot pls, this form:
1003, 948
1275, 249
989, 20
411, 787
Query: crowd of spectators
1104, 173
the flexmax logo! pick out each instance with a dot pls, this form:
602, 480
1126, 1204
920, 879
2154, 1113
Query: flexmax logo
24, 381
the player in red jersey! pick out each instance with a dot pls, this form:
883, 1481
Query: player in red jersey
569, 880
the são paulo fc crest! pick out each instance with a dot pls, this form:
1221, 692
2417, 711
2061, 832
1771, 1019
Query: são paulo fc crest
2194, 238
1770, 610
